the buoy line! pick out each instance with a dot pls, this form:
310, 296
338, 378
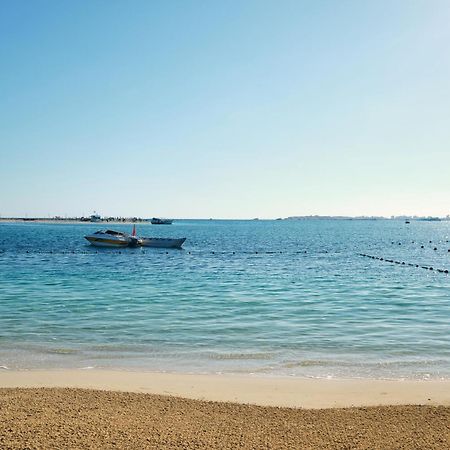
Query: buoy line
422, 245
155, 251
402, 263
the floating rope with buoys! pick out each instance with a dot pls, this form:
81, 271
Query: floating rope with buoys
109, 251
402, 263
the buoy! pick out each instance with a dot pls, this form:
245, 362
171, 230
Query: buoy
435, 248
421, 246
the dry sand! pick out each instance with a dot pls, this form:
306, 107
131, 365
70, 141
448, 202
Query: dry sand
123, 409
76, 418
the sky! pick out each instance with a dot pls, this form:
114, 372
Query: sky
230, 109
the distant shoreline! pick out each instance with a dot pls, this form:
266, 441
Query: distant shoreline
69, 221
127, 220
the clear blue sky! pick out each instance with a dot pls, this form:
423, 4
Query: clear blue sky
228, 109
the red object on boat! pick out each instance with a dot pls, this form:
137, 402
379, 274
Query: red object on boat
133, 233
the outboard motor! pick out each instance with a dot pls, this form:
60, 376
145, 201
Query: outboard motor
134, 242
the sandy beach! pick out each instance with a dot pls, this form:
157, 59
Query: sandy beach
76, 418
106, 409
290, 392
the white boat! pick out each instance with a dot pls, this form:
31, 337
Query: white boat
161, 242
112, 239
159, 221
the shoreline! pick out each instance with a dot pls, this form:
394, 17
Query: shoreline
75, 221
276, 391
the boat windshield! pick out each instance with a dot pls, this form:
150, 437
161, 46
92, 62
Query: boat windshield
110, 232
114, 233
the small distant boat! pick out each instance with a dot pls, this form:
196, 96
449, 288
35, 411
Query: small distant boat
159, 221
407, 222
161, 242
112, 239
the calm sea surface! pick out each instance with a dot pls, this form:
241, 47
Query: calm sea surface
265, 297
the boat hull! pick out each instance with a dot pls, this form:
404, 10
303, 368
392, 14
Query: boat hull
158, 221
161, 242
107, 243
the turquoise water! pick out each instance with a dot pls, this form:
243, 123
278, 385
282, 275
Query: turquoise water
265, 297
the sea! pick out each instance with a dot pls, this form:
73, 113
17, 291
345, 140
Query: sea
298, 298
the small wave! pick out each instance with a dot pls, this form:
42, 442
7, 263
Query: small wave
307, 363
4, 367
122, 348
61, 351
229, 356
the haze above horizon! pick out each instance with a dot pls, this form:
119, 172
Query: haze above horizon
233, 109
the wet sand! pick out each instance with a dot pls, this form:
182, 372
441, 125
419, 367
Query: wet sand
263, 391
77, 418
